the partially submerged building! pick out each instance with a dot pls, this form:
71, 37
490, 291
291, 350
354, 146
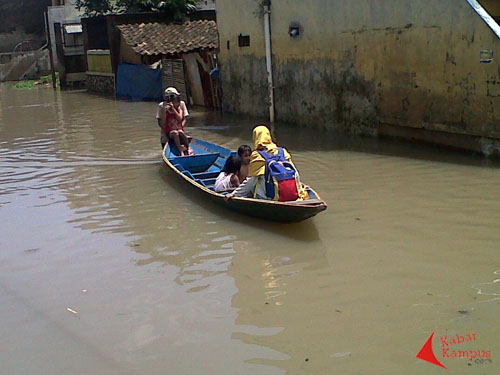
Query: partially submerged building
425, 70
186, 52
23, 40
66, 37
135, 56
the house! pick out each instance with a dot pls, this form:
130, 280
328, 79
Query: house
418, 70
101, 40
120, 48
186, 52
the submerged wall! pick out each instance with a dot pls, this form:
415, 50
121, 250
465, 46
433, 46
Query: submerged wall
366, 66
100, 77
62, 14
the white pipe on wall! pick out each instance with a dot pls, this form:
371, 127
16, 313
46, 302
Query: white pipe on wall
267, 35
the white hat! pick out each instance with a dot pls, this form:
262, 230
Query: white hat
171, 90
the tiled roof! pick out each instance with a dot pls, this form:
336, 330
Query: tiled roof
160, 38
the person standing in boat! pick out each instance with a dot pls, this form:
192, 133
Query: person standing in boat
166, 109
254, 185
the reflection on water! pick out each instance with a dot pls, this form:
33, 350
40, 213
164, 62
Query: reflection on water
491, 288
161, 281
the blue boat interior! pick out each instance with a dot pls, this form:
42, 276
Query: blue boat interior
205, 165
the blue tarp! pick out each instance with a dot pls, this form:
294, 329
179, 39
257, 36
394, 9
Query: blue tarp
138, 82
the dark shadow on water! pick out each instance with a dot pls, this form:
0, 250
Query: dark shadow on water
296, 138
305, 231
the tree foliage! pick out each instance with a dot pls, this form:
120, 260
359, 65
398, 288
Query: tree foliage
175, 9
94, 7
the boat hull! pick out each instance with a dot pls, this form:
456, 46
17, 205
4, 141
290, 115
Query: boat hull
277, 212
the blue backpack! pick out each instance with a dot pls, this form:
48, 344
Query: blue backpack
280, 177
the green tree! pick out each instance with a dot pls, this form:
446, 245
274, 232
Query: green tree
95, 7
175, 9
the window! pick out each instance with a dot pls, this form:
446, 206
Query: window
243, 40
73, 35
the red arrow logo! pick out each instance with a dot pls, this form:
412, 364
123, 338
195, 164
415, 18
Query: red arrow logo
427, 354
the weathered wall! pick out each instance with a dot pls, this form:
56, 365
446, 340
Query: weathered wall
24, 65
101, 84
243, 69
99, 61
62, 14
127, 54
100, 77
173, 75
198, 66
361, 63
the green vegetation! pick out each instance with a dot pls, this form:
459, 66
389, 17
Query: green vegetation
174, 9
25, 85
31, 84
48, 79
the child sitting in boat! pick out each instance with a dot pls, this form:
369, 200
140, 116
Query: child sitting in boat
244, 151
228, 177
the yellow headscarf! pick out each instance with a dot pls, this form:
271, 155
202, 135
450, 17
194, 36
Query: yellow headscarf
262, 141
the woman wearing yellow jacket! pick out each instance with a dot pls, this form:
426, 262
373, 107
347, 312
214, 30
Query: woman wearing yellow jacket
254, 184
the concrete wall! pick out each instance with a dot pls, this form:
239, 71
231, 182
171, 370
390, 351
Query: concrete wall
24, 65
127, 54
361, 63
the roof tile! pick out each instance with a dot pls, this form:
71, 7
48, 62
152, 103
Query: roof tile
160, 38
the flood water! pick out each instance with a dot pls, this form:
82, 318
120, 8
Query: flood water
109, 265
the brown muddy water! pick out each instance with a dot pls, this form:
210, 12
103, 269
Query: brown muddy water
108, 265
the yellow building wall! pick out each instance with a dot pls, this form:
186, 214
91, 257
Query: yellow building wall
361, 63
238, 17
99, 62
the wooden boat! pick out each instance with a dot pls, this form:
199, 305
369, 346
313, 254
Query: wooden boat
201, 169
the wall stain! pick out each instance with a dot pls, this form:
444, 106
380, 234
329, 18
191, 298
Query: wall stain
388, 30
